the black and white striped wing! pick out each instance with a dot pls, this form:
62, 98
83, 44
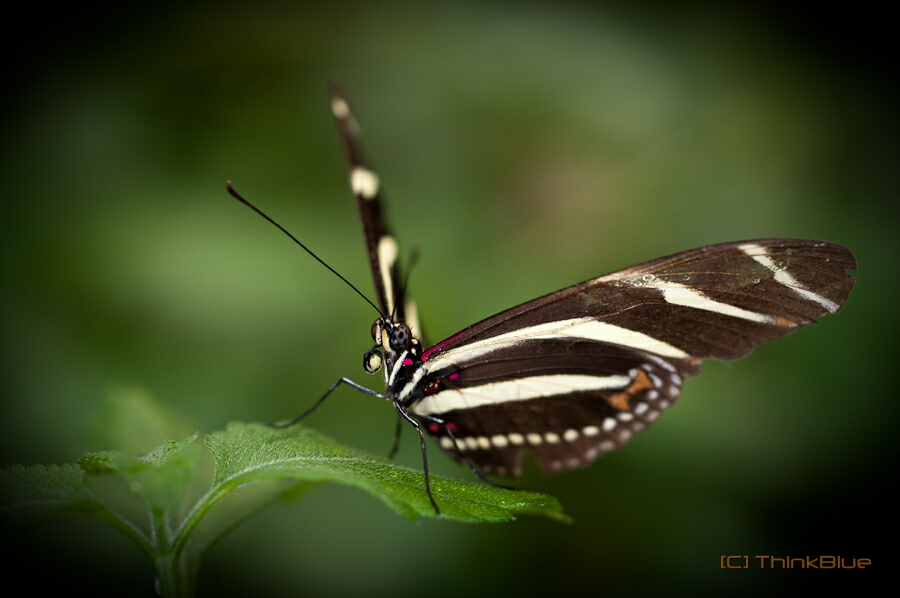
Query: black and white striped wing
381, 246
578, 372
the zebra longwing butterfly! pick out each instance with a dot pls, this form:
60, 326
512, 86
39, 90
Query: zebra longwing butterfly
576, 373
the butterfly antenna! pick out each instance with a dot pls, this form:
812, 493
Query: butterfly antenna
238, 197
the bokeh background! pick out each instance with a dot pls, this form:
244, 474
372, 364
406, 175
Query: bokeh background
523, 147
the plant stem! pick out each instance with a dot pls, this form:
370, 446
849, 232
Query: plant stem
167, 560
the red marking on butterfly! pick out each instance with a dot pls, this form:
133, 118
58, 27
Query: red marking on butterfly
441, 345
434, 427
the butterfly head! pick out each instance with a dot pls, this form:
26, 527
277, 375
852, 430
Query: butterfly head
391, 339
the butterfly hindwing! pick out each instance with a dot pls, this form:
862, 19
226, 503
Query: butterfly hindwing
564, 430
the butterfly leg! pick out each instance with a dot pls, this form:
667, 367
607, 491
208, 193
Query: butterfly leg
331, 389
464, 459
397, 431
402, 411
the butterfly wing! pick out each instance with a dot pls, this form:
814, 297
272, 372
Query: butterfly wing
576, 373
381, 247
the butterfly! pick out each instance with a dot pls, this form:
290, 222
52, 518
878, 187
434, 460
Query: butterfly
577, 373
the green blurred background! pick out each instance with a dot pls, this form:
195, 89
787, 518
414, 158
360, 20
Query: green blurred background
523, 147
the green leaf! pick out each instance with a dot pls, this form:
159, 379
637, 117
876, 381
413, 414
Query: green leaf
253, 452
53, 487
97, 463
245, 453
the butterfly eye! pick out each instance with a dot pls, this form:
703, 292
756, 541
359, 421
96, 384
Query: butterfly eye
400, 337
373, 360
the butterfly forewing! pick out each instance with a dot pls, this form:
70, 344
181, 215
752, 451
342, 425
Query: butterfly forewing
716, 301
380, 245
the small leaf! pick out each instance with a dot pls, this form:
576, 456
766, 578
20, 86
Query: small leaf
45, 487
97, 463
253, 452
161, 476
